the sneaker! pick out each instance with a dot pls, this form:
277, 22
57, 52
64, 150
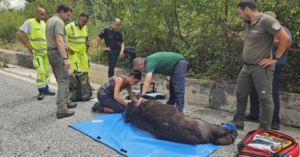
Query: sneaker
49, 93
97, 107
275, 125
251, 119
64, 113
71, 105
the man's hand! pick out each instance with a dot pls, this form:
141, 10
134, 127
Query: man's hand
168, 85
141, 99
71, 52
86, 49
67, 64
121, 55
265, 62
29, 48
106, 49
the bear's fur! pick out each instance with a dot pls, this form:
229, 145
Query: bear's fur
165, 122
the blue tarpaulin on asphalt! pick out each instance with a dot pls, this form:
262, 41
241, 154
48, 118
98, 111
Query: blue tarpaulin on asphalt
133, 142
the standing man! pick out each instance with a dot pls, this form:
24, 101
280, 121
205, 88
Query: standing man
113, 38
259, 64
168, 64
35, 31
57, 46
78, 42
254, 104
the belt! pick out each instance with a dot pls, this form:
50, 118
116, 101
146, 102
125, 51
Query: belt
178, 62
249, 63
50, 49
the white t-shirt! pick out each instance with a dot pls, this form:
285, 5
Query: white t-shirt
26, 27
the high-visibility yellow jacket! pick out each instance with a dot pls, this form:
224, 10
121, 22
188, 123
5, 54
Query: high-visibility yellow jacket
37, 38
76, 37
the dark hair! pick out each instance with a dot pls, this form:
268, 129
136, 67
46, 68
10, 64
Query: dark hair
64, 7
136, 74
84, 15
247, 3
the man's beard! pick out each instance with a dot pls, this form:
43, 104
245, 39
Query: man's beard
249, 20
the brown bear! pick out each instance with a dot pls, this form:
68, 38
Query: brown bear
166, 122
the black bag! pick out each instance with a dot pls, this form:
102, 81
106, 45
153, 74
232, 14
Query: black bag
79, 87
153, 94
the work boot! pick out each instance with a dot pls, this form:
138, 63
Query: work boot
71, 105
49, 93
263, 128
64, 113
41, 95
238, 122
251, 119
275, 125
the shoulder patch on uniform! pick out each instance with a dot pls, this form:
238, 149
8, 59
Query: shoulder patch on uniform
276, 26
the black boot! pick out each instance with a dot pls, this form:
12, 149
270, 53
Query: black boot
97, 108
41, 95
49, 93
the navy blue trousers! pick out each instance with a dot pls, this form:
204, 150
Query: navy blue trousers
254, 103
109, 102
177, 85
112, 57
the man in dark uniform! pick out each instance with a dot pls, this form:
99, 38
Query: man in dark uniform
113, 38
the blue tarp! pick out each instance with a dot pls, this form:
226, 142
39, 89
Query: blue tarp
133, 142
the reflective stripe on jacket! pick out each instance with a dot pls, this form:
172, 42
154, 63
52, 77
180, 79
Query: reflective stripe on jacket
76, 37
37, 38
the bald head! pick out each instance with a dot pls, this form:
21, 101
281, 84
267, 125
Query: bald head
40, 14
117, 20
116, 24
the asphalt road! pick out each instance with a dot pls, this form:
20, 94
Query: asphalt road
29, 127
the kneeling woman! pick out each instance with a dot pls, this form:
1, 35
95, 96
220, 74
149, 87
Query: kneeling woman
108, 93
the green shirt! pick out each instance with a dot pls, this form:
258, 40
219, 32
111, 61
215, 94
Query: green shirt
162, 62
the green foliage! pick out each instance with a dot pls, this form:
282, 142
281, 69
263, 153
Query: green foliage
207, 33
9, 24
4, 64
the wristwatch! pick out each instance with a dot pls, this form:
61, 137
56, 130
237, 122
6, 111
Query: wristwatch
274, 57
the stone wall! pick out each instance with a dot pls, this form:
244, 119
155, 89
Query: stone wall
214, 95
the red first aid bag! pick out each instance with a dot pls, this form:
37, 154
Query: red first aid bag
267, 143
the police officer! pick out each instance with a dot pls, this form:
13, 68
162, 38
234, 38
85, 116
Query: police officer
77, 36
113, 38
35, 31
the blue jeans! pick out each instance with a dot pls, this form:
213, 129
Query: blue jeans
112, 57
254, 104
109, 102
177, 85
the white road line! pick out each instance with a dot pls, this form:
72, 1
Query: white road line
24, 78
